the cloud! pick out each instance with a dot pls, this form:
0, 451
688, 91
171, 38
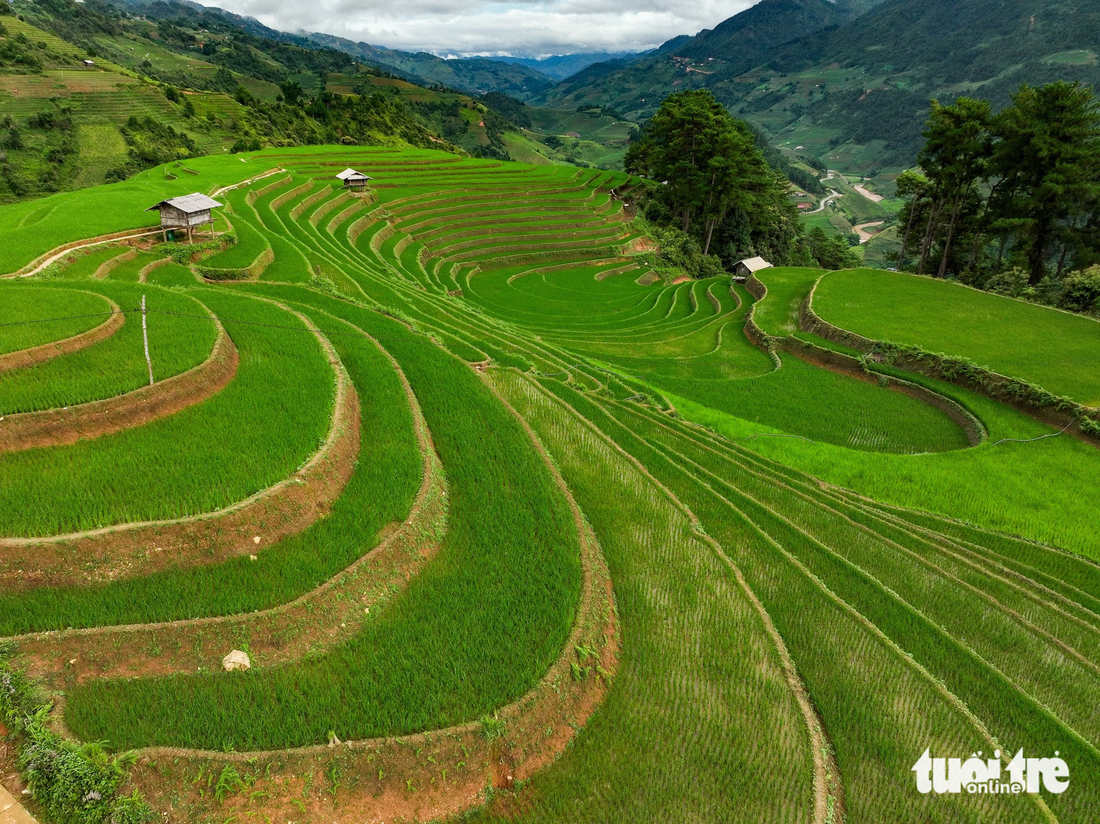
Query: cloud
525, 27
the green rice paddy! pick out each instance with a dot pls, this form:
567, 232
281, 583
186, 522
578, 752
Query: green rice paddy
33, 317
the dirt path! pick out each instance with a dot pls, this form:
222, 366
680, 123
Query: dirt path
867, 193
62, 427
830, 198
47, 351
12, 812
245, 528
43, 261
862, 228
61, 251
249, 182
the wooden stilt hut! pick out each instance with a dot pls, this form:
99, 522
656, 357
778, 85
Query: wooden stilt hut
186, 212
354, 179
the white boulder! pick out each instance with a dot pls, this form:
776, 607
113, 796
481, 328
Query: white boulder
236, 660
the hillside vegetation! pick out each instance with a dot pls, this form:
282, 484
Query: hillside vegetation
850, 83
175, 81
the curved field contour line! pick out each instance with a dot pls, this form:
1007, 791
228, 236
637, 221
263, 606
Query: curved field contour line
60, 427
341, 604
47, 351
284, 509
540, 725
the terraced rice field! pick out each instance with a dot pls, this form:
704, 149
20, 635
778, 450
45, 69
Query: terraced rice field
511, 529
1054, 349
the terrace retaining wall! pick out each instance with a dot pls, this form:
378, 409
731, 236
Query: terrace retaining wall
853, 367
1073, 418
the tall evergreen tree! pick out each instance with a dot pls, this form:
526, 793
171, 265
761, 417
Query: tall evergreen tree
1021, 187
1047, 155
955, 157
708, 162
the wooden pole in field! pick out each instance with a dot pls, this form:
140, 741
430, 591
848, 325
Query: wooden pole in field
145, 336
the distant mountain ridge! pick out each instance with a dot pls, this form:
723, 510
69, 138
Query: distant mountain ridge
744, 39
473, 75
850, 81
740, 43
563, 66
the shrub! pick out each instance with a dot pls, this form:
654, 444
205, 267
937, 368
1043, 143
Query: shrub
1081, 292
678, 250
1011, 282
74, 783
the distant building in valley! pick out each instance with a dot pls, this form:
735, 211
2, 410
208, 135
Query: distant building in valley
354, 179
186, 212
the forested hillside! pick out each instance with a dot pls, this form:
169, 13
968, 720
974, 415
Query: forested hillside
170, 81
738, 44
853, 87
475, 75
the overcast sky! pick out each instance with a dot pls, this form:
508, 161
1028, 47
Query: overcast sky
522, 27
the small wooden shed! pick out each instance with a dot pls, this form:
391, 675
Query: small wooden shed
186, 212
750, 266
89, 64
354, 179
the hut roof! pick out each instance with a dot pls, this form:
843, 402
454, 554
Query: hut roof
352, 174
188, 204
754, 264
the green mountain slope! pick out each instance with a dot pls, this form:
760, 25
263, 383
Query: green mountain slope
859, 94
851, 84
561, 66
740, 41
734, 46
170, 81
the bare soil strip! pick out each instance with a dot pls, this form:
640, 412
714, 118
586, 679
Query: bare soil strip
109, 266
41, 262
245, 528
143, 273
862, 228
47, 351
417, 777
62, 427
328, 615
55, 254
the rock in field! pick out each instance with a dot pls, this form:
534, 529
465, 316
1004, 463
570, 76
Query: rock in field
236, 660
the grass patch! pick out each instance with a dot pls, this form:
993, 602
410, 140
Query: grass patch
271, 417
63, 312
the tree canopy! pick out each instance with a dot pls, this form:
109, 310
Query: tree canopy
715, 180
1016, 189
